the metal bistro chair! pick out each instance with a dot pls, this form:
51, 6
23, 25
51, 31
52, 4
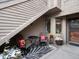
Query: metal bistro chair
34, 40
43, 40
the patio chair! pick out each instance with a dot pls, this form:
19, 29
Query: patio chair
43, 39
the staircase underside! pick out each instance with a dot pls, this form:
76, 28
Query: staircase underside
15, 18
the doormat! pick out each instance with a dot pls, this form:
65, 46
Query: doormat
37, 52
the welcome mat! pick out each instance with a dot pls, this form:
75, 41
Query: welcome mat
38, 52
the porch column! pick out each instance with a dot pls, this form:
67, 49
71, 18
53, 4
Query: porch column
64, 31
52, 26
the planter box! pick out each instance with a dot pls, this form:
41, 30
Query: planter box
59, 42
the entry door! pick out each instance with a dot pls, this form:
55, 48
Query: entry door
74, 30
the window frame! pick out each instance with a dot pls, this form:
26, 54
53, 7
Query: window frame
58, 26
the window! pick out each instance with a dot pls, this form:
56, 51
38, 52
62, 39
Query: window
74, 30
58, 26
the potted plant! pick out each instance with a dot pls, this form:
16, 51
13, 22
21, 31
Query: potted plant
59, 40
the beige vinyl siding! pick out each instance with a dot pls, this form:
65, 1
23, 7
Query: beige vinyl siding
11, 18
35, 28
69, 7
14, 18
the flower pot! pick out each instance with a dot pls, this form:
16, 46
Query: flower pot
59, 42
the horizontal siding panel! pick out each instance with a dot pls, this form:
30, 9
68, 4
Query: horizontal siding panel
2, 21
1, 36
5, 31
7, 25
5, 28
5, 21
12, 19
10, 23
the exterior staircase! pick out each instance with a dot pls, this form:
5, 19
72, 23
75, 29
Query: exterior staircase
15, 15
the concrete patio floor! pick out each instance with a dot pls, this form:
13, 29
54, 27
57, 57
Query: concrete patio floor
63, 52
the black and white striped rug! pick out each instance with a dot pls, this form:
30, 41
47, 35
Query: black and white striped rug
37, 52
